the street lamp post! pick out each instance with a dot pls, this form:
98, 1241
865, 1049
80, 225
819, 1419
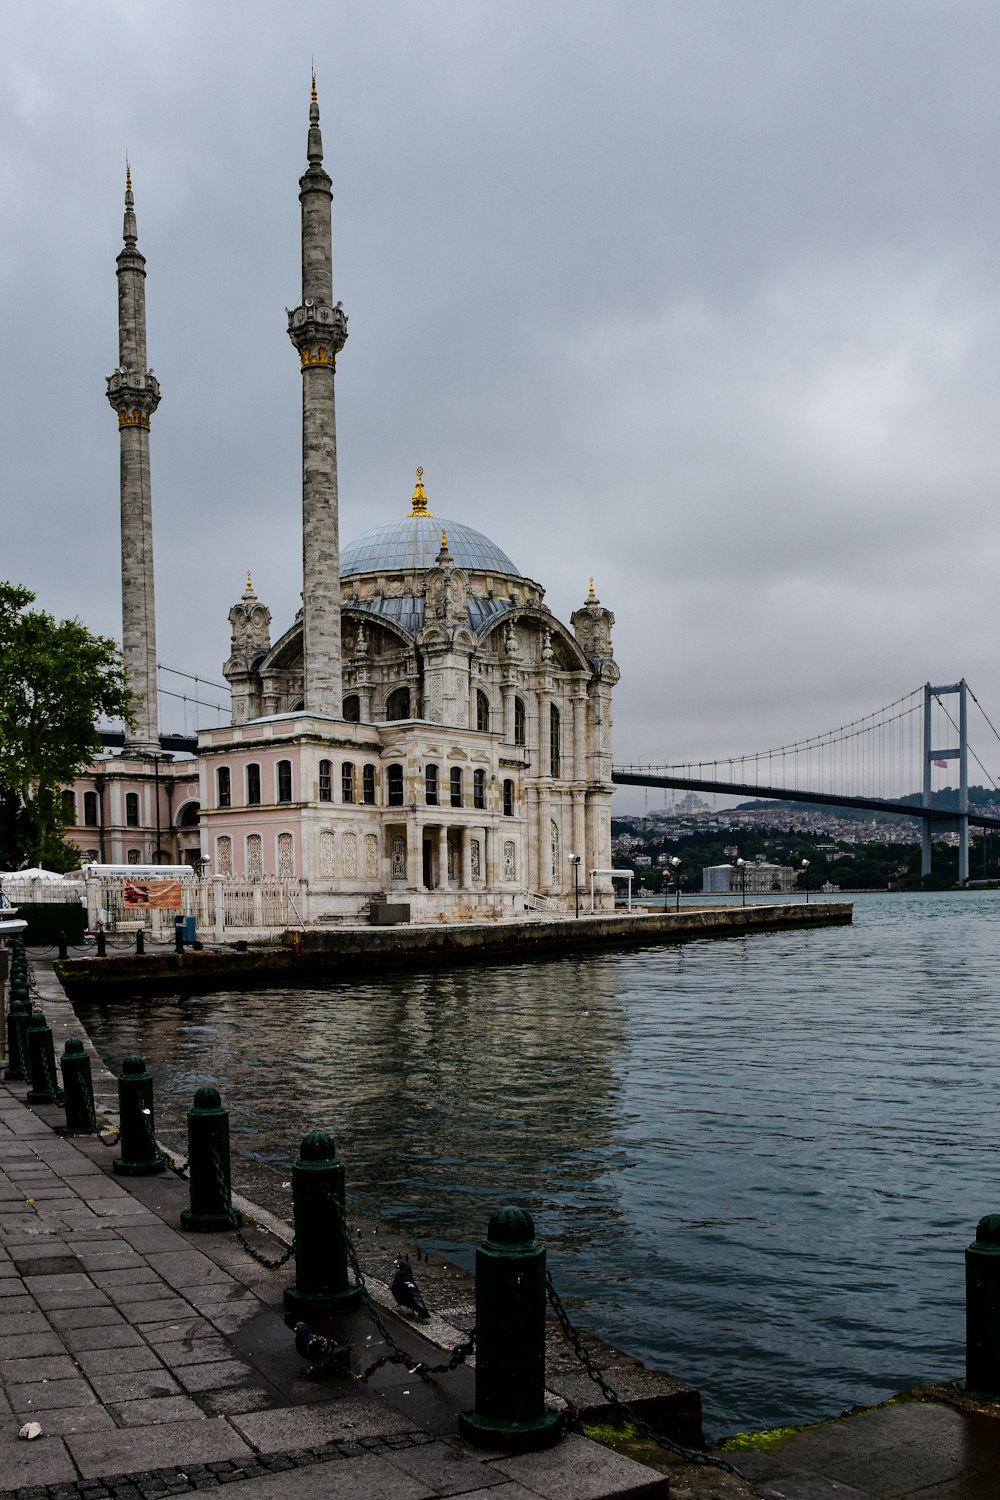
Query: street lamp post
675, 865
805, 867
741, 865
574, 860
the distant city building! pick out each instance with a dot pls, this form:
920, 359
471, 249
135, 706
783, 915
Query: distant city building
759, 878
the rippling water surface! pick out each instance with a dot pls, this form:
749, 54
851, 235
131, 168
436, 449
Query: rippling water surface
756, 1160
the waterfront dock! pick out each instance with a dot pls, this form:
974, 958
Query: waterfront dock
345, 948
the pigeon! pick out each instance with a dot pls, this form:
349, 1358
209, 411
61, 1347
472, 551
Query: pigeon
406, 1292
319, 1351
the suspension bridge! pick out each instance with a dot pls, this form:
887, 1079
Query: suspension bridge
873, 763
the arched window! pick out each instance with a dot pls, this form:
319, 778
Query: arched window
69, 806
394, 785
253, 784
224, 855
520, 723
482, 711
397, 704
368, 784
284, 769
431, 786
347, 782
132, 809
286, 856
508, 798
90, 809
325, 781
352, 708
456, 786
133, 856
255, 856
223, 788
554, 740
479, 789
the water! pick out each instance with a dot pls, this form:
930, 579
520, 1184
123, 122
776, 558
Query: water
757, 1161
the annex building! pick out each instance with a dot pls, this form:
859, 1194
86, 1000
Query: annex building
424, 730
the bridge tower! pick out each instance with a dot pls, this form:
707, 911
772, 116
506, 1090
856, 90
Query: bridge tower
134, 393
961, 754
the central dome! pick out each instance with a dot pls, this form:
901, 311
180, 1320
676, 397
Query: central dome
414, 542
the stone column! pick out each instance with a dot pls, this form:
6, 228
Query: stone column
465, 880
544, 841
415, 855
442, 856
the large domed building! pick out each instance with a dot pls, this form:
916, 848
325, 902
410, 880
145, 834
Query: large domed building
425, 730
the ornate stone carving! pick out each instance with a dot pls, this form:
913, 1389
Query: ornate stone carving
327, 866
349, 854
371, 856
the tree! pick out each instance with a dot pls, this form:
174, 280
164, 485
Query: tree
56, 681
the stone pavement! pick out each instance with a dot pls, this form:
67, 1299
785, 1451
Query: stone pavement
159, 1363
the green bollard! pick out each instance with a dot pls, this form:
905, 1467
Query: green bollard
210, 1187
102, 943
78, 1089
140, 941
63, 946
321, 1283
41, 1054
510, 1410
140, 1154
982, 1310
18, 1017
19, 993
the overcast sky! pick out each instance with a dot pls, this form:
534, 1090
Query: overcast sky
700, 298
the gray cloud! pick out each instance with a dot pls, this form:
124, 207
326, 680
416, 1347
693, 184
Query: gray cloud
702, 300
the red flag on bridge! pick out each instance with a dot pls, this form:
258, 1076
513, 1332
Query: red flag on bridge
942, 763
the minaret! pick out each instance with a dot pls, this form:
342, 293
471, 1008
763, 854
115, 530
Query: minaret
135, 394
319, 330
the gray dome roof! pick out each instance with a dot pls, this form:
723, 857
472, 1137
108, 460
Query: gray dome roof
415, 541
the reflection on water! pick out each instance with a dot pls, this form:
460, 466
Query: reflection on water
757, 1161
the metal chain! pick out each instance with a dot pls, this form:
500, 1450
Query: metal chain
459, 1354
225, 1192
696, 1455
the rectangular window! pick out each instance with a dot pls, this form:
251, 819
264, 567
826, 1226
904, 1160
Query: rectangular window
508, 799
479, 789
69, 807
223, 788
368, 784
456, 786
90, 809
325, 781
132, 809
431, 786
394, 780
253, 785
284, 781
347, 782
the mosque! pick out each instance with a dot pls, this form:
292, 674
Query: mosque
425, 732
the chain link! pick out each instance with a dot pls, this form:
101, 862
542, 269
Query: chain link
696, 1455
225, 1193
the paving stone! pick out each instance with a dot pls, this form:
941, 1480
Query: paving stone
159, 1309
104, 1316
47, 1265
11, 1286
577, 1469
287, 1427
30, 1320
38, 1395
45, 1461
195, 1341
124, 1276
185, 1267
101, 1336
213, 1375
61, 1296
64, 1420
175, 1443
446, 1471
369, 1477
25, 1345
154, 1410
38, 1367
135, 1385
236, 1399
151, 1237
118, 1361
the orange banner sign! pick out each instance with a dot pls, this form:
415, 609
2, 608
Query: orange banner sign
164, 895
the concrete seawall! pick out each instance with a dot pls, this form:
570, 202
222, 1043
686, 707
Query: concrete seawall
306, 955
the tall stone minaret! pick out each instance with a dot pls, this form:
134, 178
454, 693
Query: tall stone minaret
319, 330
135, 394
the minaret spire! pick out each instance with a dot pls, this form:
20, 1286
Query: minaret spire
134, 394
318, 329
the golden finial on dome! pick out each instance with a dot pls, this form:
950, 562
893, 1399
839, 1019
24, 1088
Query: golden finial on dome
590, 591
128, 175
314, 99
419, 501
444, 540
249, 582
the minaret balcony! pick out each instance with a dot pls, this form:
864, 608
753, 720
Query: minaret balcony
318, 332
135, 395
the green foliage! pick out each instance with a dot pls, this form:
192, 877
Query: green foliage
56, 681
